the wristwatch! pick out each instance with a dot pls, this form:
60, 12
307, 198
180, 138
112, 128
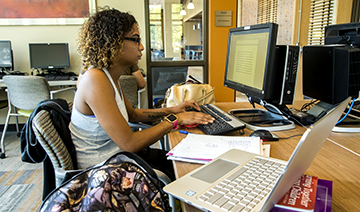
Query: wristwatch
172, 118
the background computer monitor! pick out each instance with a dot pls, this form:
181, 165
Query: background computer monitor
6, 57
250, 62
49, 56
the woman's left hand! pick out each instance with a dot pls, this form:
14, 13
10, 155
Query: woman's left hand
186, 105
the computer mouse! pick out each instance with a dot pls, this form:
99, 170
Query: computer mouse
265, 135
74, 78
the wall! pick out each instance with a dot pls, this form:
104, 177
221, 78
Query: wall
192, 36
20, 36
218, 39
342, 15
285, 18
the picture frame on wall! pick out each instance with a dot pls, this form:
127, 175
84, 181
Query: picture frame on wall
45, 12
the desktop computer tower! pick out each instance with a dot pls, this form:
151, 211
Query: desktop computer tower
286, 74
331, 73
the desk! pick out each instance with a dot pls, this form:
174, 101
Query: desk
333, 162
51, 83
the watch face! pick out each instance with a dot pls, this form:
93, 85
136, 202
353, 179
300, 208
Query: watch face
171, 117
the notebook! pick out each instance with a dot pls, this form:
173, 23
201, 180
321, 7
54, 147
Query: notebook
204, 187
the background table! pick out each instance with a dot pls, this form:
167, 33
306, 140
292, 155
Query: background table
338, 160
51, 83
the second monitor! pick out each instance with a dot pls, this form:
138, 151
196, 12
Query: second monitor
49, 56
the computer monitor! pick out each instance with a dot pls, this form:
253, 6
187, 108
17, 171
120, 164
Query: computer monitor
250, 62
251, 68
6, 57
49, 56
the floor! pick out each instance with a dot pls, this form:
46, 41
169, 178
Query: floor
20, 182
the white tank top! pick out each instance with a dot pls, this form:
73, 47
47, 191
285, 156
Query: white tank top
92, 143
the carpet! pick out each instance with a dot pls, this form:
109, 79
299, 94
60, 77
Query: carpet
20, 182
20, 190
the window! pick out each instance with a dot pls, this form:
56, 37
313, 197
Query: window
321, 15
175, 36
267, 11
156, 28
177, 30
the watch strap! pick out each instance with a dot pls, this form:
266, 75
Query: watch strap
175, 123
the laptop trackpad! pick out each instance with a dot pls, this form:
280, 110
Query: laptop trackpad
215, 170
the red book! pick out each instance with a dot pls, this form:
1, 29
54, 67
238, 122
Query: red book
301, 196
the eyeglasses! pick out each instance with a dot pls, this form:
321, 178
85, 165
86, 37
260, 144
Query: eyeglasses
137, 40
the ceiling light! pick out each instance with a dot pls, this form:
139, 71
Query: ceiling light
191, 5
183, 12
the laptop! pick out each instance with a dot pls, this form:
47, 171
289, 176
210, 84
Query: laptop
226, 183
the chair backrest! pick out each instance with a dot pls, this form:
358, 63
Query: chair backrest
51, 141
25, 92
130, 90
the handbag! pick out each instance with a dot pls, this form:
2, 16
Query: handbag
179, 93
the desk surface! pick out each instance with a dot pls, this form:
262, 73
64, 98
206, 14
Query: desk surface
338, 160
51, 83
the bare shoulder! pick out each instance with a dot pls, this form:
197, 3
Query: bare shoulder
93, 79
93, 90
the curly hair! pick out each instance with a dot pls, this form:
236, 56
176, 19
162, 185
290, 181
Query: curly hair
101, 37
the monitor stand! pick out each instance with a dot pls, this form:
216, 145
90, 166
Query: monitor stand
261, 119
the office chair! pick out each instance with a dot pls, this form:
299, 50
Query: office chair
24, 93
129, 86
56, 150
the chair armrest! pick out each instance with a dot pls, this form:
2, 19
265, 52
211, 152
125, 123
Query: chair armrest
139, 125
166, 180
162, 177
162, 141
61, 90
141, 90
64, 175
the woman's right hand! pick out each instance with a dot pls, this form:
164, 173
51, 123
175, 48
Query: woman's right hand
187, 118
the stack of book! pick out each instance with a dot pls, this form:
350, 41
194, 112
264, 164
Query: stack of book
307, 194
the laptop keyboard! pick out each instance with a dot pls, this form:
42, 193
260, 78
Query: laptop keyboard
245, 188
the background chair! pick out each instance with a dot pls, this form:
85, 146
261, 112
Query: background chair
24, 93
129, 86
56, 150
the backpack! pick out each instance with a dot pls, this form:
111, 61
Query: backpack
124, 182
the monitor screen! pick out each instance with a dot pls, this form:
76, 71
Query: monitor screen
250, 62
6, 58
50, 56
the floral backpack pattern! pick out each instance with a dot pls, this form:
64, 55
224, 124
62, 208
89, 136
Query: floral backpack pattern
124, 182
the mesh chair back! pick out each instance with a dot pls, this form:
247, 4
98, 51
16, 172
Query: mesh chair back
129, 86
51, 141
25, 92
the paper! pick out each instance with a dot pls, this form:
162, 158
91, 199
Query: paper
207, 147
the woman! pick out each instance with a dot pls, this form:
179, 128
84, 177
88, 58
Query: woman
108, 42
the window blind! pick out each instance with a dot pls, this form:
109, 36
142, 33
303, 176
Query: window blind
267, 11
321, 15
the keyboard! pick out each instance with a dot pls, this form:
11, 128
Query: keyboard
245, 188
50, 77
224, 122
